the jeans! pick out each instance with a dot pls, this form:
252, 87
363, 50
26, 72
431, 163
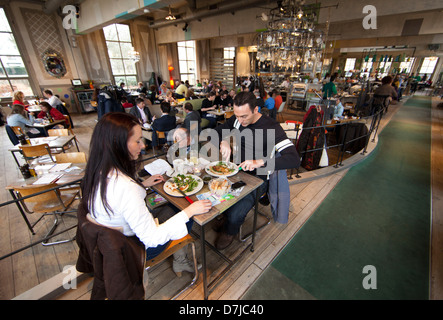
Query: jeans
162, 214
236, 215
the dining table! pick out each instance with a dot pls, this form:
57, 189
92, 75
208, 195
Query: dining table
252, 185
55, 142
44, 126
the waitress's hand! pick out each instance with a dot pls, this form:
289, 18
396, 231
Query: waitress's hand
153, 180
198, 207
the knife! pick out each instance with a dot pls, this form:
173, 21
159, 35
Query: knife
186, 197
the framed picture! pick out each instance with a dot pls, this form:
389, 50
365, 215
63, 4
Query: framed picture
76, 82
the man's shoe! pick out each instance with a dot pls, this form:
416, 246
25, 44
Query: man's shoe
223, 241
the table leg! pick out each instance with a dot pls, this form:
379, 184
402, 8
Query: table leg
254, 225
203, 253
21, 211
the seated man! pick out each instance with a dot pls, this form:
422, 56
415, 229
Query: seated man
193, 120
248, 121
141, 112
165, 123
208, 105
224, 99
181, 91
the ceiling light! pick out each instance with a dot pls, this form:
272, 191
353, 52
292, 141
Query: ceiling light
170, 16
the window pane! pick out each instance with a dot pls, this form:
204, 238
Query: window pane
119, 80
123, 32
114, 50
181, 53
129, 67
5, 89
4, 25
181, 43
14, 66
191, 78
191, 67
22, 85
183, 67
8, 45
126, 48
117, 67
190, 54
110, 32
131, 81
2, 72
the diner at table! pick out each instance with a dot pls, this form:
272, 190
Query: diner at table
115, 196
18, 118
248, 119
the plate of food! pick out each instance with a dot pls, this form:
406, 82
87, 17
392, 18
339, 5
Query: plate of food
221, 169
189, 184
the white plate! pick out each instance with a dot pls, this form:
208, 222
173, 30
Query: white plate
169, 184
231, 165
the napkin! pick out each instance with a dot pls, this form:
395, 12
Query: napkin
158, 166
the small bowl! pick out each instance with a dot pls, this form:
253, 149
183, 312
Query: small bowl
220, 186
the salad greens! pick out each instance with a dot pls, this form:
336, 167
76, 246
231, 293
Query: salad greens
185, 183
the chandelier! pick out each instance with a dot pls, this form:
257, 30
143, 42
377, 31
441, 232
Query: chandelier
170, 16
291, 40
134, 55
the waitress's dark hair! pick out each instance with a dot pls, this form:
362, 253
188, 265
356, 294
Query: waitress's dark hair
108, 151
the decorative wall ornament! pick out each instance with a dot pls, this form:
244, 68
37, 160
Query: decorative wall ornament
54, 63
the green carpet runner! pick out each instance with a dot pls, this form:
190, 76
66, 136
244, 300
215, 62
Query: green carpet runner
378, 217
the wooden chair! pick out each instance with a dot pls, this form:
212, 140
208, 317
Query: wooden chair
37, 151
71, 157
58, 132
172, 248
52, 202
61, 132
17, 130
68, 121
160, 135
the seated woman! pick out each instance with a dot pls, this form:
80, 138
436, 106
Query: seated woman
49, 112
116, 197
19, 98
19, 118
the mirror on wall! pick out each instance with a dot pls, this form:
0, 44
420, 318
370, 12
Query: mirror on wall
54, 64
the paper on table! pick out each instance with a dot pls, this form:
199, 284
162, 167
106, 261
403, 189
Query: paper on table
159, 166
48, 178
60, 167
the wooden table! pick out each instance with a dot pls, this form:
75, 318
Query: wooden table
55, 142
45, 126
252, 185
68, 178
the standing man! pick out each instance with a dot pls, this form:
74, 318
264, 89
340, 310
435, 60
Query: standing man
267, 135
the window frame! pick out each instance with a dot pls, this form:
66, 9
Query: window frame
185, 75
118, 78
10, 79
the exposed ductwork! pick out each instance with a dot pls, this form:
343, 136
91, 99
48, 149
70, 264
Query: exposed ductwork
212, 11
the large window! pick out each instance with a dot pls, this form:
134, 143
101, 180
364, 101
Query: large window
350, 64
13, 74
406, 66
187, 60
118, 41
428, 66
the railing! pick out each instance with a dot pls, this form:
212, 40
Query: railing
374, 123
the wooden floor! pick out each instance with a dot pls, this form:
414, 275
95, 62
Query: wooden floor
34, 266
